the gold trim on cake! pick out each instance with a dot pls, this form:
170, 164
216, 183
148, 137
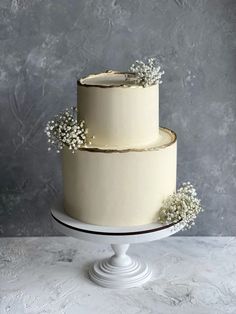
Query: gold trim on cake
128, 150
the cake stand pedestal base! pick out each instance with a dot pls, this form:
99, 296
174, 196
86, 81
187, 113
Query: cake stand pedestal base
120, 270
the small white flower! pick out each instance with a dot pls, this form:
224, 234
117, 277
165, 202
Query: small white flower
66, 130
147, 74
181, 206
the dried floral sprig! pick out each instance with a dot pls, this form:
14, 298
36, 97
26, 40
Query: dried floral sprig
65, 130
148, 73
184, 206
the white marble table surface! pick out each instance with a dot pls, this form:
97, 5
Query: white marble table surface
49, 275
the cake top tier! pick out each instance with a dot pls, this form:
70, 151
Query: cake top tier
118, 111
110, 79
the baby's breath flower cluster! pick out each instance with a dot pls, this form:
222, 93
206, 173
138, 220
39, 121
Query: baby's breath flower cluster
181, 206
65, 130
148, 73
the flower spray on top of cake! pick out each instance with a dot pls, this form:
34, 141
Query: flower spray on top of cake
147, 73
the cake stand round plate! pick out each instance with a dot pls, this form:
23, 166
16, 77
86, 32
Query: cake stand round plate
120, 270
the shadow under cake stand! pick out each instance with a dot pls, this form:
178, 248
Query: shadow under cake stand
120, 270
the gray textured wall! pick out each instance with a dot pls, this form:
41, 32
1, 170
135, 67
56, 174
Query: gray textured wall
46, 45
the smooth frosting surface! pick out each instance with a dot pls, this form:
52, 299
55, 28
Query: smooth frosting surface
118, 116
119, 189
126, 171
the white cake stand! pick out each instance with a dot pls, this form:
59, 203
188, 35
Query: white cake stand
120, 270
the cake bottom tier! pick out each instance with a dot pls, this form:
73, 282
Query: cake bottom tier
119, 188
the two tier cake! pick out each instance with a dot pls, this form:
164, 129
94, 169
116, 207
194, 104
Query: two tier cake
127, 167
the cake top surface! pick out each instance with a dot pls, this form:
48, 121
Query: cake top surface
140, 74
110, 79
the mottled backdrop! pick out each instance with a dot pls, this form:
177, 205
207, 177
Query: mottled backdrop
46, 45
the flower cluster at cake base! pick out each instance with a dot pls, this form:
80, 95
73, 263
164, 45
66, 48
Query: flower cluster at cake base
65, 130
183, 206
148, 73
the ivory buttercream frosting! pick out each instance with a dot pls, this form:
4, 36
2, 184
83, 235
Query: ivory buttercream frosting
128, 168
119, 113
